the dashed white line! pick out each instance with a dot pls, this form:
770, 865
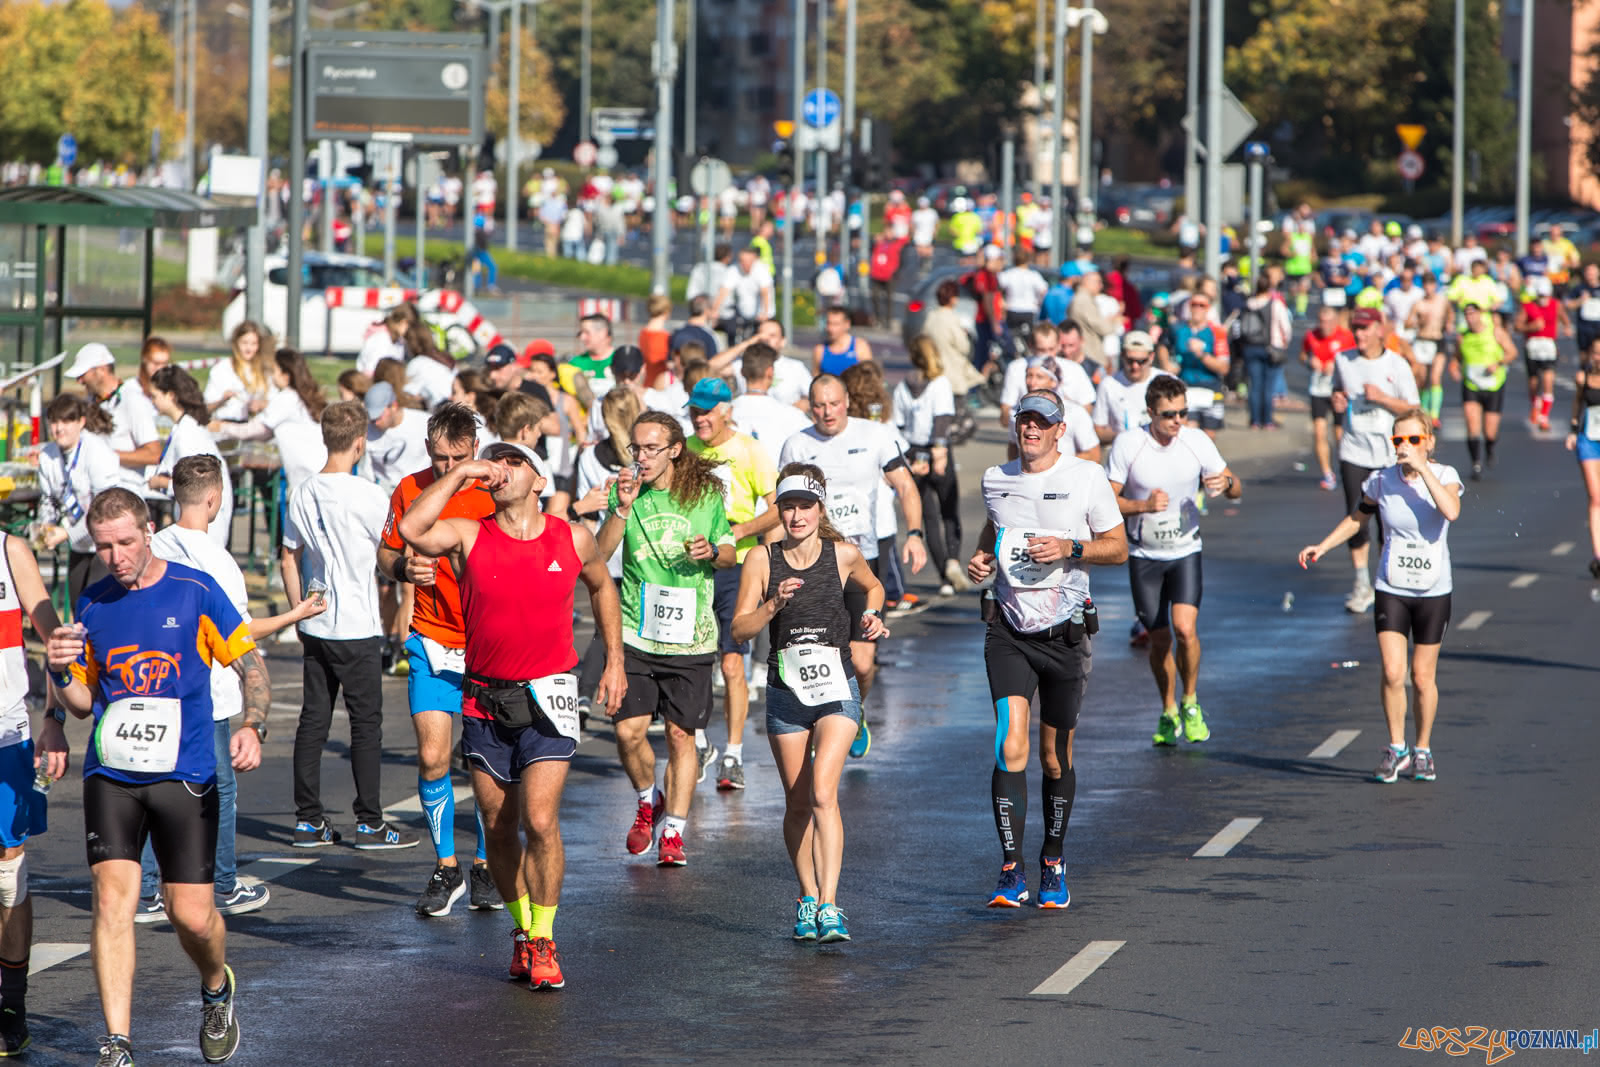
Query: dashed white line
1475, 620
413, 804
50, 953
1334, 745
1226, 838
1077, 969
278, 705
1563, 548
271, 868
1522, 581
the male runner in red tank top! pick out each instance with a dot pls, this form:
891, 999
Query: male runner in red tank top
517, 571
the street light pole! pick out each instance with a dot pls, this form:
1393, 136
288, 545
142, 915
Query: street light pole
661, 226
791, 221
189, 153
847, 167
297, 173
1213, 165
1191, 121
1057, 117
691, 33
513, 108
1458, 133
585, 41
1086, 28
822, 150
255, 238
1524, 125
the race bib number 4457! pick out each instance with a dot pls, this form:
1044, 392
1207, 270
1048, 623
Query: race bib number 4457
140, 734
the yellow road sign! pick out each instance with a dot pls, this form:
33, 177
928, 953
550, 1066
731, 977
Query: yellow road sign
1410, 135
783, 128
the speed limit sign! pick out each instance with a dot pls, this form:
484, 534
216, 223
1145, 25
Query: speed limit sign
1410, 165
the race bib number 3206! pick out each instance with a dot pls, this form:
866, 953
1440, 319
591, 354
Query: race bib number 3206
1414, 564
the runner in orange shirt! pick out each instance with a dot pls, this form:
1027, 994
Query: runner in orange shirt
436, 645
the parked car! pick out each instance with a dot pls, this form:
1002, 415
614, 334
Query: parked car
340, 330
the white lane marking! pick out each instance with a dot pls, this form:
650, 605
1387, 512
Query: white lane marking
280, 706
47, 955
1334, 745
287, 685
271, 868
413, 805
1475, 620
1522, 581
1226, 838
1077, 969
1563, 548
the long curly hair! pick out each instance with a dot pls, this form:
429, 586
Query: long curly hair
693, 475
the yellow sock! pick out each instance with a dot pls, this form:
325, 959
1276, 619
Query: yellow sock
521, 911
544, 921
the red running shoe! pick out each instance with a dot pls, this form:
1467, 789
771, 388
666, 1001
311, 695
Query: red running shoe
521, 956
546, 970
643, 830
671, 851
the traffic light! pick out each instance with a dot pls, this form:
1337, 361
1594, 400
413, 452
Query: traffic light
486, 153
784, 150
874, 175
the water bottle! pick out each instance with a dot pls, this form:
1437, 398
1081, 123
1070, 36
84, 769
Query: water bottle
1288, 603
1091, 618
41, 781
988, 606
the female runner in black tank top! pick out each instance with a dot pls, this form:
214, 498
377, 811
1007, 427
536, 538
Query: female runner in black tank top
796, 588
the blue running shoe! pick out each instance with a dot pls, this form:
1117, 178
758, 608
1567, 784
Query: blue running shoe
805, 919
1012, 892
830, 925
1052, 886
863, 742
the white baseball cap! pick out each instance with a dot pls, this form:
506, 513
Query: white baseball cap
92, 355
500, 448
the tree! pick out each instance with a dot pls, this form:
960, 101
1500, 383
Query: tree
1491, 115
104, 75
542, 110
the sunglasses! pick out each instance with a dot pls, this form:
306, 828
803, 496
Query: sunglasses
1407, 439
1135, 362
516, 459
696, 413
1175, 413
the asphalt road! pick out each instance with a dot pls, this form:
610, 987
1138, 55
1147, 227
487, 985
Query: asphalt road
1350, 913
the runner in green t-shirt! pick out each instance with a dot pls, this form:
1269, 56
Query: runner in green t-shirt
666, 513
749, 480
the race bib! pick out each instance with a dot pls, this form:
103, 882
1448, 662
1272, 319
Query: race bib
557, 695
1591, 422
1020, 569
1321, 383
1589, 310
1163, 530
1333, 298
666, 614
1367, 417
1424, 350
1484, 376
443, 659
850, 512
1413, 564
140, 734
815, 674
1542, 349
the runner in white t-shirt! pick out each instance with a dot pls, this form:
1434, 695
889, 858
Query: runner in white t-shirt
1156, 472
1050, 516
757, 412
1119, 402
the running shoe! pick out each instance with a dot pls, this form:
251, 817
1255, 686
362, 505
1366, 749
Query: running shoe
1543, 421
1195, 729
1594, 568
1166, 730
830, 925
1138, 636
484, 895
382, 837
315, 834
863, 742
1422, 766
521, 956
1360, 600
955, 576
1053, 886
544, 971
947, 589
1012, 892
1394, 764
707, 757
643, 831
150, 910
1329, 482
445, 886
671, 854
730, 775
219, 1030
1477, 472
805, 919
115, 1051
243, 900
14, 1036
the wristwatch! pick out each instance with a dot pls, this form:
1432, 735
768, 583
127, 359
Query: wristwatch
916, 533
58, 714
259, 727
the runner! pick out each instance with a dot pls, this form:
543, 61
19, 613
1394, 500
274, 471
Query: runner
1022, 288
1583, 306
813, 698
1318, 348
1584, 439
756, 411
519, 569
748, 479
839, 349
1119, 403
1196, 351
1541, 319
1079, 438
1370, 386
924, 410
435, 647
924, 227
1066, 344
1156, 472
23, 804
1415, 500
1299, 249
117, 664
666, 512
1049, 517
1429, 321
1483, 352
856, 456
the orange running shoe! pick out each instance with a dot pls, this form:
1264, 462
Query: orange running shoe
546, 970
521, 956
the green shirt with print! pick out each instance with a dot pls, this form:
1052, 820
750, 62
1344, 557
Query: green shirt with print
653, 553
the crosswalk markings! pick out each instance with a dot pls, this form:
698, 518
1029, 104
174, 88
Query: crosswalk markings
1077, 969
1226, 838
50, 953
1563, 548
1475, 621
413, 805
271, 868
1522, 581
1334, 745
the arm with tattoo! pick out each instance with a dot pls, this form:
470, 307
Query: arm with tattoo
252, 670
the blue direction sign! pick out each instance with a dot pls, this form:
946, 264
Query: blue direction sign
67, 149
821, 108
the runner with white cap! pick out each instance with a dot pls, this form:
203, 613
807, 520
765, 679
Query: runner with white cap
1119, 402
133, 418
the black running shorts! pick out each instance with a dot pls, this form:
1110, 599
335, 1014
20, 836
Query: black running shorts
1160, 583
1019, 665
178, 818
1423, 618
1491, 399
678, 687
